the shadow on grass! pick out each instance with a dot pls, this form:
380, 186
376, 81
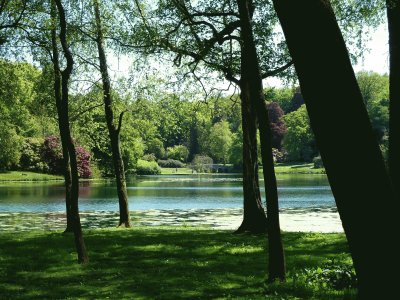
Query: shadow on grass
151, 263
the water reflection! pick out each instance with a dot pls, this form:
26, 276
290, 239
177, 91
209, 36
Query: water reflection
164, 193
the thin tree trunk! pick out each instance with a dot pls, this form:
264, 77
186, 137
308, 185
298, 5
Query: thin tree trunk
344, 135
393, 16
113, 131
251, 76
65, 75
57, 95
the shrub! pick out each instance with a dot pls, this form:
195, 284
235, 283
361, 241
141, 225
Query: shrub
147, 168
149, 157
338, 276
83, 157
170, 163
178, 152
53, 157
318, 162
202, 164
279, 156
52, 154
31, 159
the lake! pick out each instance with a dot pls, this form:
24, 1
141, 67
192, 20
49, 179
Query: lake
214, 200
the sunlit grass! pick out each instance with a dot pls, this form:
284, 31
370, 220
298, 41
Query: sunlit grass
27, 176
159, 263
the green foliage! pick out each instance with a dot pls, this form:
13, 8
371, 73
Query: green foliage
299, 140
282, 96
220, 141
178, 152
236, 155
147, 168
170, 163
202, 164
31, 155
334, 275
155, 146
375, 90
10, 147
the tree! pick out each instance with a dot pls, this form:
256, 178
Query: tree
220, 141
299, 140
278, 127
362, 196
61, 81
375, 91
113, 129
252, 89
393, 16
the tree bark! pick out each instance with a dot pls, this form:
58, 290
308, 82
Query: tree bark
65, 75
254, 219
251, 78
57, 95
344, 135
393, 16
113, 131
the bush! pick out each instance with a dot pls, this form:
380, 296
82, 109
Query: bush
318, 164
170, 163
338, 276
53, 157
178, 152
147, 168
52, 154
279, 156
202, 164
31, 157
149, 157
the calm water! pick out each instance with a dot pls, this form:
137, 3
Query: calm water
164, 193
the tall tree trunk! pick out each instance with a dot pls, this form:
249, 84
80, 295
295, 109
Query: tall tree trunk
344, 135
393, 16
65, 75
251, 77
57, 95
113, 131
254, 219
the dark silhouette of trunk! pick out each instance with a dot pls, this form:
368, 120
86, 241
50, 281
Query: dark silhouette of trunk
364, 195
254, 219
251, 78
113, 131
393, 16
64, 123
63, 135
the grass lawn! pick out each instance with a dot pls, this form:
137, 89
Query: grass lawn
27, 176
176, 171
297, 168
161, 263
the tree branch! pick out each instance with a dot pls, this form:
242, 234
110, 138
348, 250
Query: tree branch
277, 71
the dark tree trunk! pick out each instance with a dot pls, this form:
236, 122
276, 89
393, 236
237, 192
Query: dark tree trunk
113, 131
57, 95
251, 78
344, 135
64, 123
254, 219
393, 16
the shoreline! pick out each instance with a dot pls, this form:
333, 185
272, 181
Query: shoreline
322, 220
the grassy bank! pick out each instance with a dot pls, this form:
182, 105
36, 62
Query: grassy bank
297, 168
27, 176
161, 263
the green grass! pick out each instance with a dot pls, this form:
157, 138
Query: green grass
297, 168
27, 176
160, 263
176, 171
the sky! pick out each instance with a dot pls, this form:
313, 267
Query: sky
376, 59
